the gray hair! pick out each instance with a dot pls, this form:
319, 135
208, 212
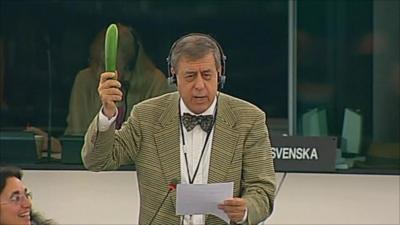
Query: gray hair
194, 46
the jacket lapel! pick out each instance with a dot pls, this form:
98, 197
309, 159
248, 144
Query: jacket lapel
224, 142
168, 144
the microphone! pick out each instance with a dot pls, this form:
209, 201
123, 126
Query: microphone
171, 187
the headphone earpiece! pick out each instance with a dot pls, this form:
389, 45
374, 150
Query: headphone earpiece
171, 76
172, 80
221, 78
221, 81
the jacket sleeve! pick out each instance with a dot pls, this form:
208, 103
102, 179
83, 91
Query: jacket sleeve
112, 148
258, 183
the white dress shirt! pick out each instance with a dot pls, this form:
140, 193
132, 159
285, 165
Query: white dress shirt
194, 142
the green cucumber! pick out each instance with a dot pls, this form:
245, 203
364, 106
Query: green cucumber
111, 48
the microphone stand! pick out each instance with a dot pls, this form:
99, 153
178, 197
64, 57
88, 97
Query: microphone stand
162, 203
171, 187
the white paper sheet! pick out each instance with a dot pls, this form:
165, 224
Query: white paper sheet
193, 199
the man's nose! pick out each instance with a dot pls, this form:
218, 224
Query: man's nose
199, 82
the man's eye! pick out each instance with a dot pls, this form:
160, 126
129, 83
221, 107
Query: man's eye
207, 76
189, 76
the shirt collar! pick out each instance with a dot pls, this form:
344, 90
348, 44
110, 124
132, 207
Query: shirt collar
209, 111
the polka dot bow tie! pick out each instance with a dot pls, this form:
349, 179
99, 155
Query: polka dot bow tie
190, 121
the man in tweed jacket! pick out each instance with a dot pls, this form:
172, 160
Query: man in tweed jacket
153, 138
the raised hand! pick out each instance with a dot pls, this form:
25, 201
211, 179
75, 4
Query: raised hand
109, 92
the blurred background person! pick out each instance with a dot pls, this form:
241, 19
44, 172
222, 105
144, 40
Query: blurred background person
139, 77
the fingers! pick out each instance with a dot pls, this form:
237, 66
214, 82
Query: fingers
235, 202
236, 217
108, 79
108, 76
109, 92
235, 208
35, 130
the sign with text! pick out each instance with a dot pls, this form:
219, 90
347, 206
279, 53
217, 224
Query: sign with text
304, 154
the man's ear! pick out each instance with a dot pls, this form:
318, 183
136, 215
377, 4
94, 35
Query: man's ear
173, 71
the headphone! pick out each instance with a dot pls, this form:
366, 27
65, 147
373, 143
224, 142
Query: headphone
221, 78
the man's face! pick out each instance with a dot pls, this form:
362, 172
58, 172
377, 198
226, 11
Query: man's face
197, 82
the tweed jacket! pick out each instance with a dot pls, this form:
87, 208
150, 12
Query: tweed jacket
240, 153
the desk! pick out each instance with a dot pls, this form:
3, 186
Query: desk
83, 197
337, 199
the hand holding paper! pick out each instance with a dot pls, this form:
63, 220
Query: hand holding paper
235, 208
193, 199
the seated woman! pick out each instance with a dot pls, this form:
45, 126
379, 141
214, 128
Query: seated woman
15, 200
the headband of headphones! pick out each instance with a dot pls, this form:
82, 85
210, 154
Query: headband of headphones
221, 78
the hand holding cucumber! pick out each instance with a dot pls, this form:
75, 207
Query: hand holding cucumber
109, 86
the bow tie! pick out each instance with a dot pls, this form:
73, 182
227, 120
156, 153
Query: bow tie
190, 121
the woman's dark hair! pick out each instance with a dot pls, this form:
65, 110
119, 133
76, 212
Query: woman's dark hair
7, 172
12, 171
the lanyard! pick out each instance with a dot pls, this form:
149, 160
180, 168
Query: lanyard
191, 179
